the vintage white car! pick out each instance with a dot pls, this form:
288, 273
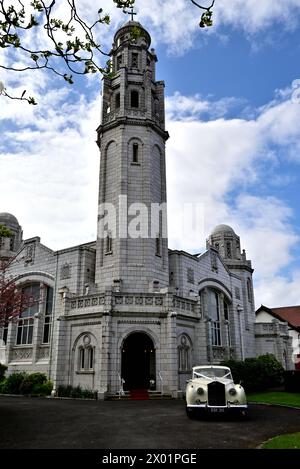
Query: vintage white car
212, 389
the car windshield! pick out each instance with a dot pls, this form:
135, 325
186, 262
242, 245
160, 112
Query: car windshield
212, 373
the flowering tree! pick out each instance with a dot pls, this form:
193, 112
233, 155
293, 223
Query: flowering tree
13, 300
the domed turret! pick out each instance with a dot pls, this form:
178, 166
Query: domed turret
226, 241
134, 32
9, 246
8, 220
220, 229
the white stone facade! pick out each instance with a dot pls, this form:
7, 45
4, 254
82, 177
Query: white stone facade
127, 308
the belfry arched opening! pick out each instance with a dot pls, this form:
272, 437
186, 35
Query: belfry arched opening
138, 362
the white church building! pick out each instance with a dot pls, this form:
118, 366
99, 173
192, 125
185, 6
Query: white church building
125, 307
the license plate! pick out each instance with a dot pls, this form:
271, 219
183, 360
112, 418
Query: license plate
217, 410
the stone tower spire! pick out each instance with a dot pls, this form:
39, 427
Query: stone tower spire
132, 250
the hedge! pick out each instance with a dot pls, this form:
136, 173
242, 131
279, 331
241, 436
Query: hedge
34, 384
3, 369
76, 392
258, 373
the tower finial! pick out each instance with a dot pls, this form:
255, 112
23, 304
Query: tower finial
132, 13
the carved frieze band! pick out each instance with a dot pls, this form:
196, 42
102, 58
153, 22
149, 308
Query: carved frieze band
86, 324
88, 302
129, 321
183, 304
139, 300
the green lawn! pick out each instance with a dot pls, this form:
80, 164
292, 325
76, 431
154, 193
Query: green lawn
278, 397
290, 441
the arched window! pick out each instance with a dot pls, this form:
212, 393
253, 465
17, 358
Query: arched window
117, 100
12, 243
214, 314
227, 322
90, 354
81, 358
184, 353
135, 153
25, 323
48, 315
134, 98
119, 61
108, 244
85, 358
228, 250
134, 60
158, 245
249, 290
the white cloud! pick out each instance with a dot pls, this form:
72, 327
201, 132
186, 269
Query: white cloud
189, 108
49, 175
278, 290
206, 161
176, 23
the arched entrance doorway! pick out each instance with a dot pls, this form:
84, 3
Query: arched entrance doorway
138, 362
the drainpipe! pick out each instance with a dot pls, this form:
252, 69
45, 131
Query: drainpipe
52, 327
239, 311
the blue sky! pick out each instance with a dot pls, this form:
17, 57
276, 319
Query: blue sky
234, 145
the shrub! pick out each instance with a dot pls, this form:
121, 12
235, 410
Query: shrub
43, 389
76, 392
3, 369
257, 373
64, 391
3, 387
30, 381
88, 394
13, 383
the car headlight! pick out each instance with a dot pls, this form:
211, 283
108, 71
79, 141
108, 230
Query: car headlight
232, 391
200, 391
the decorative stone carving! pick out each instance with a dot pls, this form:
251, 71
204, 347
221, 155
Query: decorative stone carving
237, 293
43, 353
149, 300
86, 340
65, 271
119, 300
29, 254
214, 261
219, 353
22, 354
102, 300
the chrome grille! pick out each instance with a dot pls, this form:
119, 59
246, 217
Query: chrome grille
216, 394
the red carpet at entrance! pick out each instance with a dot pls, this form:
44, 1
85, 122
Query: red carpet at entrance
139, 394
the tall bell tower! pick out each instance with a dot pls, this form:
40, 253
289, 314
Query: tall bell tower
132, 247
